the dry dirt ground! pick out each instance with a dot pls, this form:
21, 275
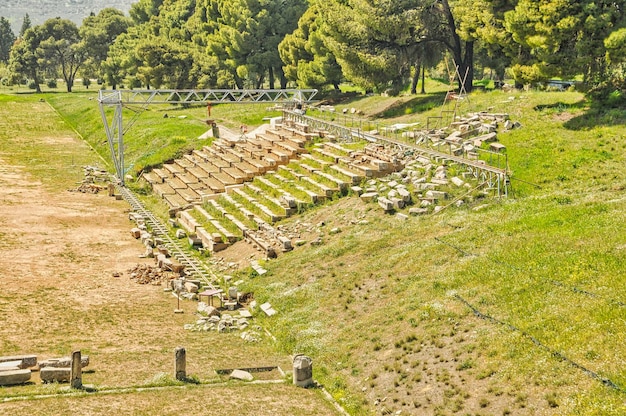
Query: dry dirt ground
58, 294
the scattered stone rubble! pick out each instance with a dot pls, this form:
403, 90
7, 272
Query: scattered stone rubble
212, 319
145, 274
89, 184
466, 134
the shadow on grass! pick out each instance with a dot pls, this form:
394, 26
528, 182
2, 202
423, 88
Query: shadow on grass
414, 105
594, 115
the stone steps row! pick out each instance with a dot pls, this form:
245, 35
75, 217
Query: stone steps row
276, 192
212, 170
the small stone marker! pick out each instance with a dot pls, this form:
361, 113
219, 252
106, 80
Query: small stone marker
76, 375
302, 371
181, 363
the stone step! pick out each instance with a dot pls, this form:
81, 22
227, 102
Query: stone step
312, 196
224, 178
356, 178
214, 184
152, 178
230, 237
162, 189
211, 241
13, 377
325, 153
189, 195
187, 178
280, 156
308, 168
198, 173
176, 183
184, 163
337, 148
342, 185
208, 168
289, 147
221, 155
237, 175
312, 158
172, 169
264, 209
327, 192
175, 201
188, 222
161, 173
288, 211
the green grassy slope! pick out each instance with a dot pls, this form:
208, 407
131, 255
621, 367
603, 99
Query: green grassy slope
382, 306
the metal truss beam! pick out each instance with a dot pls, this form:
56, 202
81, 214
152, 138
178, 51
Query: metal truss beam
113, 97
118, 98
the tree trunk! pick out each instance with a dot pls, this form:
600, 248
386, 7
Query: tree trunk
415, 79
423, 80
271, 77
464, 61
283, 79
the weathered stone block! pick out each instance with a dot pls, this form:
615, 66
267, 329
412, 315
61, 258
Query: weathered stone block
241, 375
63, 362
418, 211
369, 196
9, 378
27, 360
385, 204
457, 181
55, 374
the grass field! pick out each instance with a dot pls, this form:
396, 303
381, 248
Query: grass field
517, 308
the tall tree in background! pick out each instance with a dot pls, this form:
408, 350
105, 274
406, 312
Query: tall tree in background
144, 10
307, 59
61, 46
376, 44
248, 36
24, 60
563, 37
26, 24
97, 33
7, 39
121, 63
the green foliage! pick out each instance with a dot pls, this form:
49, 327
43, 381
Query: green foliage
552, 33
307, 58
7, 38
98, 33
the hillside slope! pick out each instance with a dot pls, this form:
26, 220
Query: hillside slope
516, 308
41, 10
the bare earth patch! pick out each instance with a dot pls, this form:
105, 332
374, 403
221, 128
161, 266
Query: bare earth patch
60, 252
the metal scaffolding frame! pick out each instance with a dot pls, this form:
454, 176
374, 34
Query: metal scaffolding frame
120, 98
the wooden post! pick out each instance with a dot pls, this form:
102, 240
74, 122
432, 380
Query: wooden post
181, 363
76, 373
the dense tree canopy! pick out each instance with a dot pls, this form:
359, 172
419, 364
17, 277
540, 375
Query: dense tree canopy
61, 47
382, 45
306, 57
97, 35
24, 61
7, 38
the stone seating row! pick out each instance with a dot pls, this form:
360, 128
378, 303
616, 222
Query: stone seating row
207, 172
